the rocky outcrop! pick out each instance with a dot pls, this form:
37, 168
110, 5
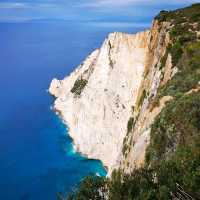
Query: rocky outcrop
157, 72
96, 100
113, 90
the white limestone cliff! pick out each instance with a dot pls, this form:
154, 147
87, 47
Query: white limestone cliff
97, 116
116, 83
145, 111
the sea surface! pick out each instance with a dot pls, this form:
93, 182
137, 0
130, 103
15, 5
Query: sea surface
36, 155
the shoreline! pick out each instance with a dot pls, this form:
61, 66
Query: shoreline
75, 149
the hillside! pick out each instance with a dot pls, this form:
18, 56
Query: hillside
135, 105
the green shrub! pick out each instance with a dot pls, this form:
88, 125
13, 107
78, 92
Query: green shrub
92, 187
79, 85
124, 149
195, 17
130, 125
138, 185
162, 16
143, 96
164, 59
174, 151
179, 16
176, 52
178, 124
180, 84
187, 37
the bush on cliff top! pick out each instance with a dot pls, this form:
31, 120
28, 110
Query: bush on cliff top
190, 14
175, 140
188, 76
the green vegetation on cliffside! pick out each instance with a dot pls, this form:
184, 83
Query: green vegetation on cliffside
78, 87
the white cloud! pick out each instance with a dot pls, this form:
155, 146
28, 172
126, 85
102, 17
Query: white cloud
109, 3
12, 5
93, 4
14, 19
125, 3
119, 24
21, 5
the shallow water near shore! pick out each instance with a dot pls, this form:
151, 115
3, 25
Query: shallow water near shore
37, 159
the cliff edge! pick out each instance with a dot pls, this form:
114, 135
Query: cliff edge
95, 101
113, 101
144, 122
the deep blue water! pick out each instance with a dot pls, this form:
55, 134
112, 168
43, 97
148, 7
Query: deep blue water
36, 155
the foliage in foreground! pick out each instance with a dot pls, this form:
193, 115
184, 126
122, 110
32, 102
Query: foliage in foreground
92, 187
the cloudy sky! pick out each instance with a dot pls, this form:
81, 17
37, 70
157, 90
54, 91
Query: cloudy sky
96, 11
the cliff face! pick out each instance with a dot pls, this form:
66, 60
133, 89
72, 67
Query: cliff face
156, 73
113, 99
105, 102
135, 104
96, 100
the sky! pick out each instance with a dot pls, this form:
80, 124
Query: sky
99, 12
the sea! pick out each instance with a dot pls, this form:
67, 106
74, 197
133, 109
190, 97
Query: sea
37, 159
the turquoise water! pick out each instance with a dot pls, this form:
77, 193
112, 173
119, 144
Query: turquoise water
36, 155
